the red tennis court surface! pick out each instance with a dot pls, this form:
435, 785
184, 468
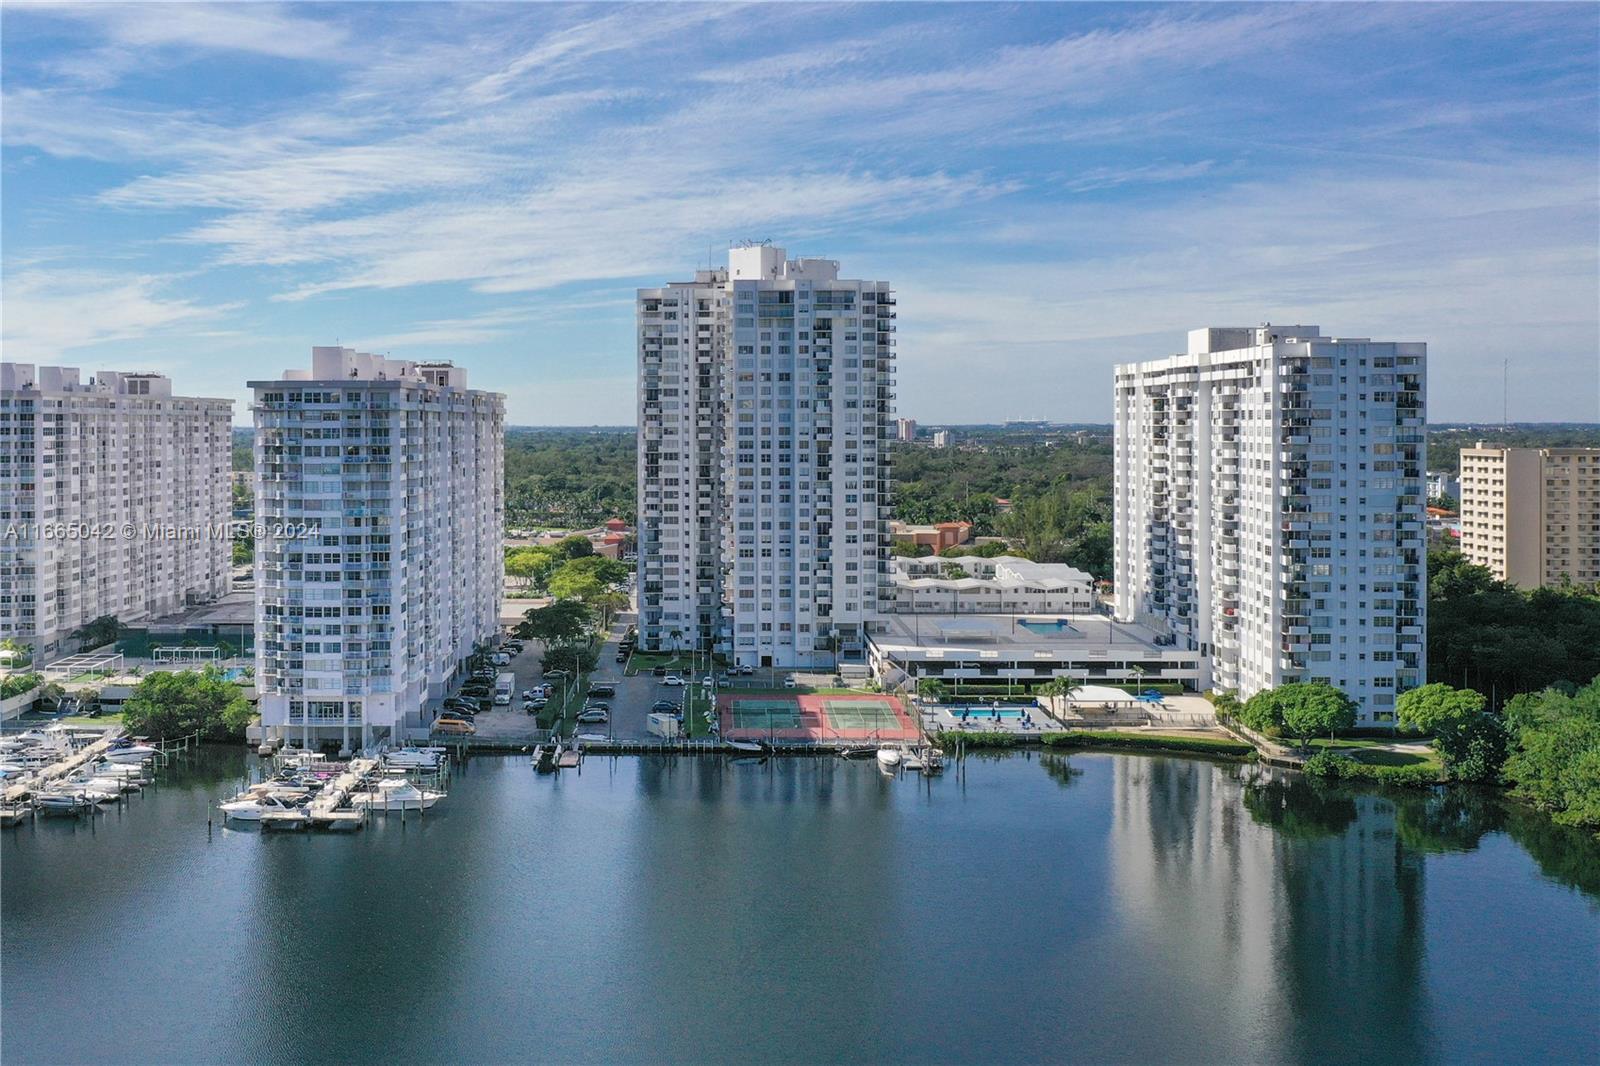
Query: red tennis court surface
808, 717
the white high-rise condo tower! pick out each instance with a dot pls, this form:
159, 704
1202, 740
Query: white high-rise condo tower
385, 477
1270, 505
113, 501
766, 404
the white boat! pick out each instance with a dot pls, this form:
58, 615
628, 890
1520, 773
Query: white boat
932, 761
888, 759
133, 753
99, 789
249, 807
414, 758
64, 802
395, 795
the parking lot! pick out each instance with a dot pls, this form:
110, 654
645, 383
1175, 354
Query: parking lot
635, 696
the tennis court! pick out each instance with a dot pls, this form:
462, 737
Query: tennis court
810, 717
868, 714
760, 714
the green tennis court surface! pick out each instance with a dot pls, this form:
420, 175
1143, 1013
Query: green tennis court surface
764, 714
861, 714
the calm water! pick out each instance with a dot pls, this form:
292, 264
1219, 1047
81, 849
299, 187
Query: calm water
1096, 908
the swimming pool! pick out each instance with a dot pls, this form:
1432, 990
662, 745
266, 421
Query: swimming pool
1046, 626
233, 673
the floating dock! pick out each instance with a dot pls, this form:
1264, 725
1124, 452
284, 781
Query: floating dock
42, 777
331, 808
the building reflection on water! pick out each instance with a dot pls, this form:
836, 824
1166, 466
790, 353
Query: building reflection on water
1273, 900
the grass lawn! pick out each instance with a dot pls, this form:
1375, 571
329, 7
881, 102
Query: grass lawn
565, 712
1372, 753
105, 721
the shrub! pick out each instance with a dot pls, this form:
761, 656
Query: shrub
17, 684
1331, 765
950, 738
1198, 745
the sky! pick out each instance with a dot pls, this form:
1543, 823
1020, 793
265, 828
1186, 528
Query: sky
208, 191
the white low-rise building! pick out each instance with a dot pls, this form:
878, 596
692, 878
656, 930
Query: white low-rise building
386, 477
994, 650
972, 584
113, 501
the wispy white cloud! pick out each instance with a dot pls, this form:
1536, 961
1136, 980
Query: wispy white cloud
52, 311
495, 155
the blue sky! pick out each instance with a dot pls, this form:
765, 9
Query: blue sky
209, 191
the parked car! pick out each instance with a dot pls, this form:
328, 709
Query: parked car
672, 679
724, 679
790, 682
660, 671
454, 727
664, 705
501, 659
598, 705
707, 681
622, 656
746, 670
602, 690
556, 675
594, 714
538, 703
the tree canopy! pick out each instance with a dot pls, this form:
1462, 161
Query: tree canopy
562, 622
1303, 709
1470, 740
1555, 760
1493, 637
170, 705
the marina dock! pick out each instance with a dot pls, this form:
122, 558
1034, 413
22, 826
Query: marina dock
331, 808
30, 783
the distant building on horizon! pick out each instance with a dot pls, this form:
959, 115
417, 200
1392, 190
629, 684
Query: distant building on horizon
1532, 515
388, 477
1269, 501
766, 405
116, 459
941, 438
905, 429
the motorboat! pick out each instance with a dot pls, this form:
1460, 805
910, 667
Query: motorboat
64, 801
99, 789
545, 757
889, 759
129, 773
415, 758
932, 761
132, 753
249, 807
857, 752
393, 795
746, 745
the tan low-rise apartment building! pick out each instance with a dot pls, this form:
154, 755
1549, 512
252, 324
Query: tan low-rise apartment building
1532, 515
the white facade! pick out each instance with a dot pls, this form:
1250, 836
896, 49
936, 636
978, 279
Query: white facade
972, 584
905, 429
766, 405
113, 501
1269, 508
395, 471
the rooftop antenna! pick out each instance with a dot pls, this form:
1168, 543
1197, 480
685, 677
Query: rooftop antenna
1505, 393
